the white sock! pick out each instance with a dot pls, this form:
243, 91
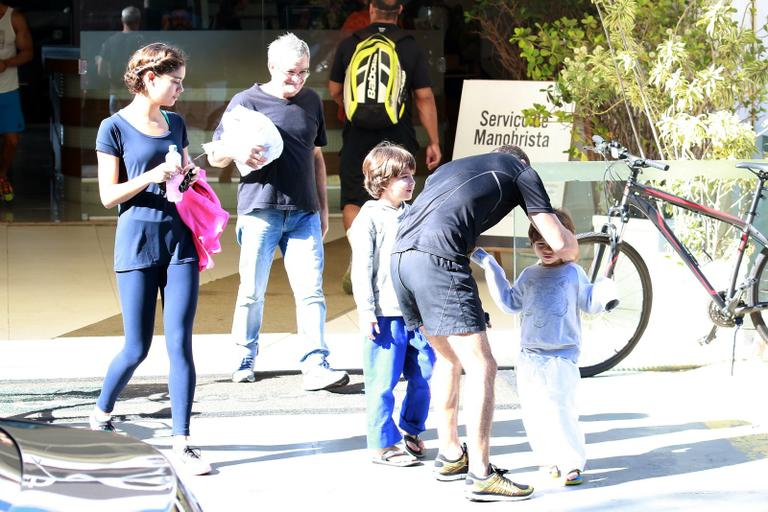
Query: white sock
180, 442
100, 415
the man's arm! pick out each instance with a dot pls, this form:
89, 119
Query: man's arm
322, 191
101, 67
427, 111
336, 90
221, 154
562, 241
215, 156
23, 43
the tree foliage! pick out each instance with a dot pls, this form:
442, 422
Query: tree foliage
496, 19
686, 70
687, 75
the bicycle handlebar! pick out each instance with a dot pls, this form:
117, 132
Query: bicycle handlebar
619, 152
657, 165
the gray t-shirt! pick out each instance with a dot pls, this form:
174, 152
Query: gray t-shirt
371, 237
288, 183
549, 300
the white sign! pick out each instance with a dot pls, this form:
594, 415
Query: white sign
491, 115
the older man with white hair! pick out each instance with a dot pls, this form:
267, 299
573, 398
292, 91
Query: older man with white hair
282, 204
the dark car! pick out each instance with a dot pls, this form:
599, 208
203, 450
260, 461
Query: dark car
56, 468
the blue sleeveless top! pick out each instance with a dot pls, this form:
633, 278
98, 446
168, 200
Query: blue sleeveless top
149, 230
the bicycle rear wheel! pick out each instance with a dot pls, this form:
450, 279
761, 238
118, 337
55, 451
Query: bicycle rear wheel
758, 293
609, 337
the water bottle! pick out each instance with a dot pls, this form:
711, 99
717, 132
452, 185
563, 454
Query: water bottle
173, 159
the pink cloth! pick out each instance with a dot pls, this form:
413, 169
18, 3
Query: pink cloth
201, 211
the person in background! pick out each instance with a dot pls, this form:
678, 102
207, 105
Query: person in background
115, 52
283, 204
358, 141
15, 50
357, 19
154, 250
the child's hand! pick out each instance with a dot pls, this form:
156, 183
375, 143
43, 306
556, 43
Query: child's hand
478, 255
369, 324
606, 293
369, 329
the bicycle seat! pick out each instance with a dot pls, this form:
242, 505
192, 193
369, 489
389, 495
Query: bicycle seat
753, 165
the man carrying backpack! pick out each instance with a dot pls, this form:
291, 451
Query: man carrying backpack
378, 73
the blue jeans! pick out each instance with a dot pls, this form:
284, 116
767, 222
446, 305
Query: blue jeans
394, 352
299, 236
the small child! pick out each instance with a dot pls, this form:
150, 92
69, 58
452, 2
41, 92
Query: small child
549, 296
389, 349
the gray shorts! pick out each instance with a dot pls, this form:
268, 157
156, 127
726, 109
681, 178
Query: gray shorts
437, 293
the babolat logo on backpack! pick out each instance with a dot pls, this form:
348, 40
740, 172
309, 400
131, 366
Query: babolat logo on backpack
374, 84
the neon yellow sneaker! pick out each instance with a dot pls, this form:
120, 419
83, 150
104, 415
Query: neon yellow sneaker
449, 470
495, 487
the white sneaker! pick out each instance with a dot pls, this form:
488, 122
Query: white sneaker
245, 372
192, 461
101, 422
323, 376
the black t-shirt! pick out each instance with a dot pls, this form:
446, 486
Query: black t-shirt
413, 60
465, 197
288, 183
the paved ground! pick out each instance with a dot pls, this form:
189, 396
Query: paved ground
656, 441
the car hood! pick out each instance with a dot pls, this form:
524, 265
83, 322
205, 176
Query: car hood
51, 468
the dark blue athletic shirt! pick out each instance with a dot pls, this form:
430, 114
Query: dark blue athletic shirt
149, 230
289, 182
465, 197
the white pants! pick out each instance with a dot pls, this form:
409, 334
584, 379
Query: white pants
547, 386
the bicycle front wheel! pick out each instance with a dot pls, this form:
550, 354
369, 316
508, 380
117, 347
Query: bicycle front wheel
609, 337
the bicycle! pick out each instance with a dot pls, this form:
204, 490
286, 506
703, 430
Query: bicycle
616, 333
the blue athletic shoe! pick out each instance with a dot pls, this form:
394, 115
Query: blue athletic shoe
245, 372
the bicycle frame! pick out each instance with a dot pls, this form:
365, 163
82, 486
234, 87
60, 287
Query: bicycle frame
642, 198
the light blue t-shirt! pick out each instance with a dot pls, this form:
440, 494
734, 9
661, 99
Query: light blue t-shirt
149, 230
549, 300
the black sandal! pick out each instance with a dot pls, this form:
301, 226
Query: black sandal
420, 451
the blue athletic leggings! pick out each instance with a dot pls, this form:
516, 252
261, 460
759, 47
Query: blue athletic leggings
178, 286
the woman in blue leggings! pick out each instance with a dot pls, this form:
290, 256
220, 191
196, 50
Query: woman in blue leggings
154, 250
